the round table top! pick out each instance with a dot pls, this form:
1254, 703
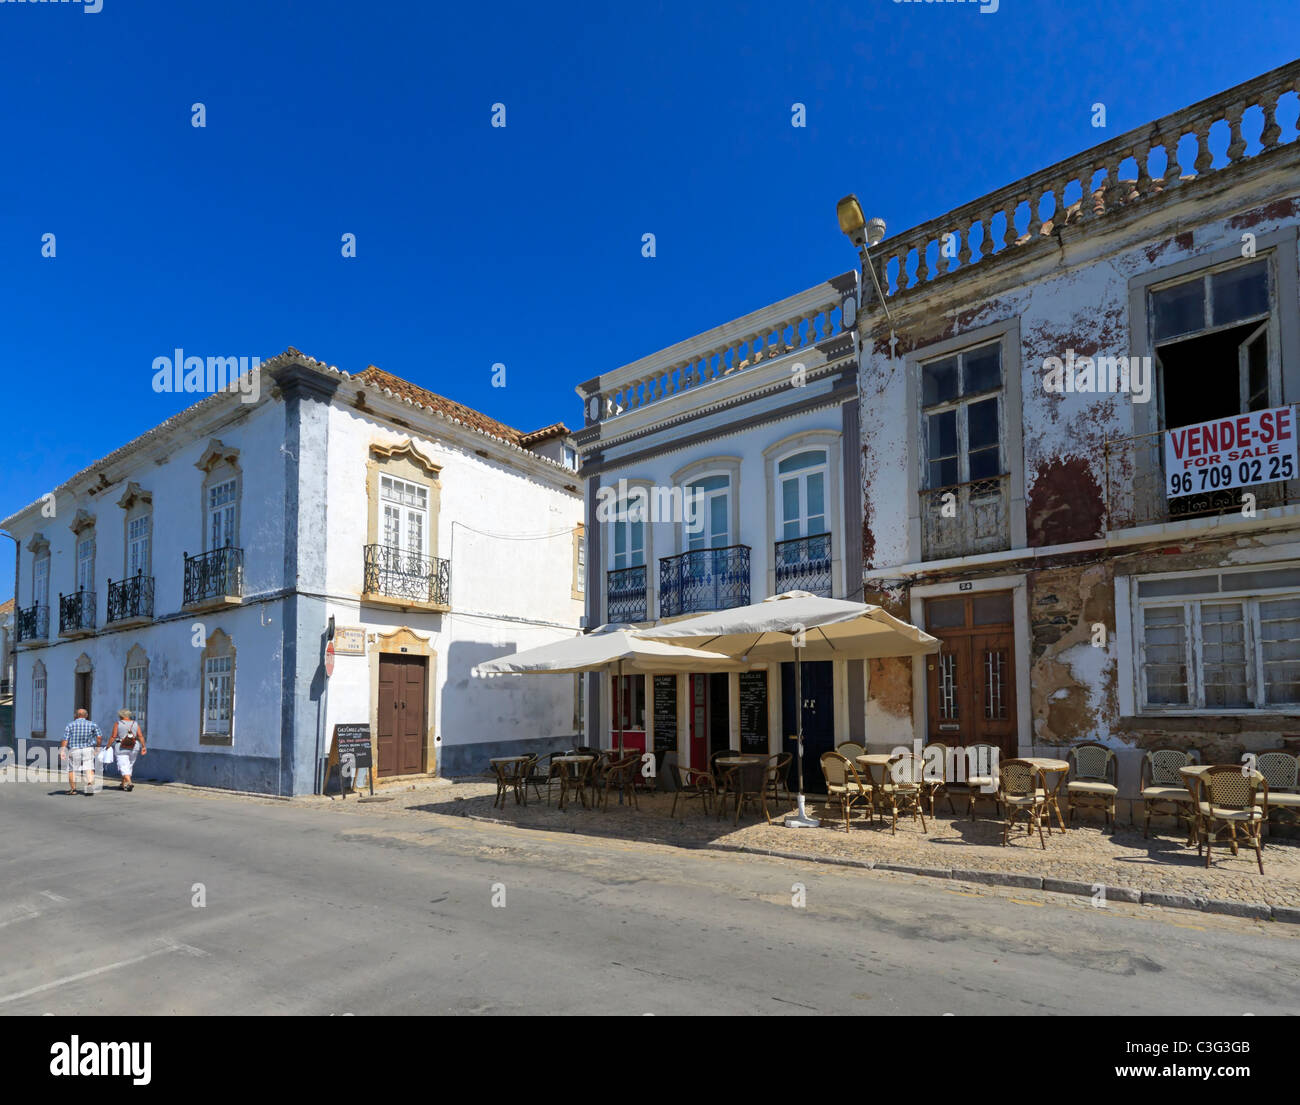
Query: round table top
506, 759
877, 759
1048, 764
572, 759
745, 758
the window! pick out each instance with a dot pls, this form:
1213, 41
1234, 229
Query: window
579, 562
86, 564
580, 703
219, 694
629, 534
961, 400
629, 709
138, 533
1211, 339
570, 457
708, 512
41, 581
405, 515
802, 488
38, 699
136, 683
222, 499
1210, 643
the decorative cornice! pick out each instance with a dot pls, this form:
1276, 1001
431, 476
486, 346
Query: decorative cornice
405, 447
38, 544
134, 493
83, 519
216, 453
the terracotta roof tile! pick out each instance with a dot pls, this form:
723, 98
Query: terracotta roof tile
555, 429
407, 390
5, 607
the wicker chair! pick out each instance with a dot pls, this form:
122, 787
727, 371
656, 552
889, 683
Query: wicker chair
1163, 788
511, 775
1231, 797
747, 783
981, 774
690, 782
936, 781
575, 777
851, 751
1281, 771
1022, 793
844, 786
1093, 782
778, 775
903, 790
620, 775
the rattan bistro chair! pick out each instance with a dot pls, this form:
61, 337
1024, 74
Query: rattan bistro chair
1093, 781
1281, 771
851, 750
981, 774
1163, 789
620, 775
1022, 792
844, 787
904, 790
778, 775
510, 775
690, 782
935, 782
1231, 796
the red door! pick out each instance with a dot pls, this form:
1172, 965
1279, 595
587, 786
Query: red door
699, 721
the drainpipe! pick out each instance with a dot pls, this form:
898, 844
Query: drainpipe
14, 689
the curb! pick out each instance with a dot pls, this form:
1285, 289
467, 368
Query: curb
1257, 911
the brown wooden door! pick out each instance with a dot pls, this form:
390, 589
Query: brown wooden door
401, 723
970, 682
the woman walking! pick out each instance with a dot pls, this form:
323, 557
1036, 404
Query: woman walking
128, 736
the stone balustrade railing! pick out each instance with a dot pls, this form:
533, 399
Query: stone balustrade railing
799, 322
1172, 152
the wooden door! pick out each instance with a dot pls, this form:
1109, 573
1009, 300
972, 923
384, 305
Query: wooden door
817, 681
401, 722
970, 682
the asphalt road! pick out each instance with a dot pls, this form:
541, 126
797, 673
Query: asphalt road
313, 910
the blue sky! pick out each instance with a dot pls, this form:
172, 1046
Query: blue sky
519, 245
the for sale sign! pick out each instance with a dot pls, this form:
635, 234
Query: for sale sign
1238, 451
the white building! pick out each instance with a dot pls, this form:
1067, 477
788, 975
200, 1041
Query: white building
720, 471
193, 575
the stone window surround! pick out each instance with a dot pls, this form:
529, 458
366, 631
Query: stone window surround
1018, 587
218, 644
219, 463
1128, 633
403, 461
700, 469
651, 577
1280, 249
832, 443
39, 667
82, 522
39, 547
1007, 331
136, 657
404, 641
135, 503
579, 539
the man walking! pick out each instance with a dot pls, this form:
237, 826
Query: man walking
81, 740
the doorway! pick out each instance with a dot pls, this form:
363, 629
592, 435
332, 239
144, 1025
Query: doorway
970, 682
710, 716
401, 724
82, 691
817, 683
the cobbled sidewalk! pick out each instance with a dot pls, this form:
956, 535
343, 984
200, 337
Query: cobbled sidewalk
1077, 861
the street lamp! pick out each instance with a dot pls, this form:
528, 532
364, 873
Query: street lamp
864, 234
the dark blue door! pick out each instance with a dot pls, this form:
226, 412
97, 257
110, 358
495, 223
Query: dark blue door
818, 722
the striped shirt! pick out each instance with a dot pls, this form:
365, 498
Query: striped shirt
82, 733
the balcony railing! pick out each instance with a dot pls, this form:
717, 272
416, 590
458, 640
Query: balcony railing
702, 580
626, 598
965, 519
6, 688
218, 574
804, 564
1135, 487
32, 624
77, 612
130, 598
1131, 169
397, 574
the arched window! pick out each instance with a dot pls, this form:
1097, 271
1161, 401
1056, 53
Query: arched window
135, 683
38, 699
801, 494
218, 706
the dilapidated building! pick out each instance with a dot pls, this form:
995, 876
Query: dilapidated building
1078, 427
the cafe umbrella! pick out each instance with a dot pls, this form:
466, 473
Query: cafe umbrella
611, 648
800, 626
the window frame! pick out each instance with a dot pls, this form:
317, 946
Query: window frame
800, 477
961, 405
219, 647
1192, 605
40, 698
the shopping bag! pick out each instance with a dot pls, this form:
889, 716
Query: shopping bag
105, 755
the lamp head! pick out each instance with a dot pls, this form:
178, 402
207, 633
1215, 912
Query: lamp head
852, 222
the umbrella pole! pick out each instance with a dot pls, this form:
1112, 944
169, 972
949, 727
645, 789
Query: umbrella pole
800, 820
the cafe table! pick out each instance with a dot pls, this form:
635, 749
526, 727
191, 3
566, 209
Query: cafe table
739, 763
506, 778
1059, 769
571, 775
869, 762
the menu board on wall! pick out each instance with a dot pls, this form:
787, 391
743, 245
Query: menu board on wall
753, 712
665, 708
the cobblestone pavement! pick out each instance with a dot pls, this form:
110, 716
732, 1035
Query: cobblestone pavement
1083, 854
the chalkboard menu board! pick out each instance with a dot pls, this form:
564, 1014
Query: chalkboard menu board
753, 712
665, 707
353, 740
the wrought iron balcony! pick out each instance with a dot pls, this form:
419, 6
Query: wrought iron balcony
626, 596
702, 580
214, 576
32, 624
975, 519
77, 613
397, 574
129, 599
804, 564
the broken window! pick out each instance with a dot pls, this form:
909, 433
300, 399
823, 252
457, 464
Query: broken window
961, 398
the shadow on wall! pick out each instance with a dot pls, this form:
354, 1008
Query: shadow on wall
505, 716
